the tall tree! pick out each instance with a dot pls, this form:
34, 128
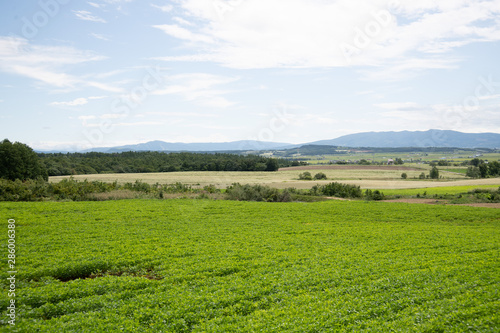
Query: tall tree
434, 174
18, 161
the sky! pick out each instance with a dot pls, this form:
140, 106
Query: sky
101, 73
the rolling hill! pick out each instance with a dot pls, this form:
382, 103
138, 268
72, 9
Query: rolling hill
431, 138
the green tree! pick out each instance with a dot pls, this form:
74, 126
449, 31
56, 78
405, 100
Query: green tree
483, 170
476, 161
404, 175
434, 174
18, 161
473, 172
319, 176
305, 176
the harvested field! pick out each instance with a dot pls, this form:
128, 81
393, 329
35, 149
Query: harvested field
351, 167
367, 179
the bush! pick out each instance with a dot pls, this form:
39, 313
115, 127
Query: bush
374, 195
256, 193
404, 175
305, 176
319, 176
338, 190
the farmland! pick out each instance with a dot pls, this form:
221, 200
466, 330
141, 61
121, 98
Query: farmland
372, 177
223, 266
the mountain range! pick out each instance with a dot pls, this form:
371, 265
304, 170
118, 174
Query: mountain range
430, 138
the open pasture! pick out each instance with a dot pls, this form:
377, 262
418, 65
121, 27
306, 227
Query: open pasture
225, 266
372, 177
367, 179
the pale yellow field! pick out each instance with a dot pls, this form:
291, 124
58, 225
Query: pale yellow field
366, 178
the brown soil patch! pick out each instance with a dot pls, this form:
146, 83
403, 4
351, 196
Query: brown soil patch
350, 167
443, 202
485, 205
419, 201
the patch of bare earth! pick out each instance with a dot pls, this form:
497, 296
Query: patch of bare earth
418, 201
443, 202
487, 205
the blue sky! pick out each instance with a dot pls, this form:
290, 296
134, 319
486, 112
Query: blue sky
83, 74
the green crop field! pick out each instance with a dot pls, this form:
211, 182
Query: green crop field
226, 266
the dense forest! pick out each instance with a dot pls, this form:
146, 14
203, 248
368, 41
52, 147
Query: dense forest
19, 161
142, 162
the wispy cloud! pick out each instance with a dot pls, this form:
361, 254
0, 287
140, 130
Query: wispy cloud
200, 88
87, 16
99, 36
165, 8
183, 33
95, 5
311, 33
78, 101
47, 64
75, 102
183, 114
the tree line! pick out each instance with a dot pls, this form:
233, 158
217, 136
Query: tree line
481, 169
142, 162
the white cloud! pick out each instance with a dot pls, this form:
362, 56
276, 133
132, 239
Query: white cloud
131, 124
99, 36
183, 33
182, 21
408, 106
200, 88
489, 97
165, 8
75, 102
183, 114
47, 64
85, 118
87, 16
95, 5
314, 33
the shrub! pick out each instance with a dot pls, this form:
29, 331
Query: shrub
305, 176
256, 193
404, 175
319, 176
339, 190
374, 195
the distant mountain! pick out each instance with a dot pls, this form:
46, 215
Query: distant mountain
244, 145
431, 138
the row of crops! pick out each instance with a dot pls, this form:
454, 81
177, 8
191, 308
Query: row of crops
228, 266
